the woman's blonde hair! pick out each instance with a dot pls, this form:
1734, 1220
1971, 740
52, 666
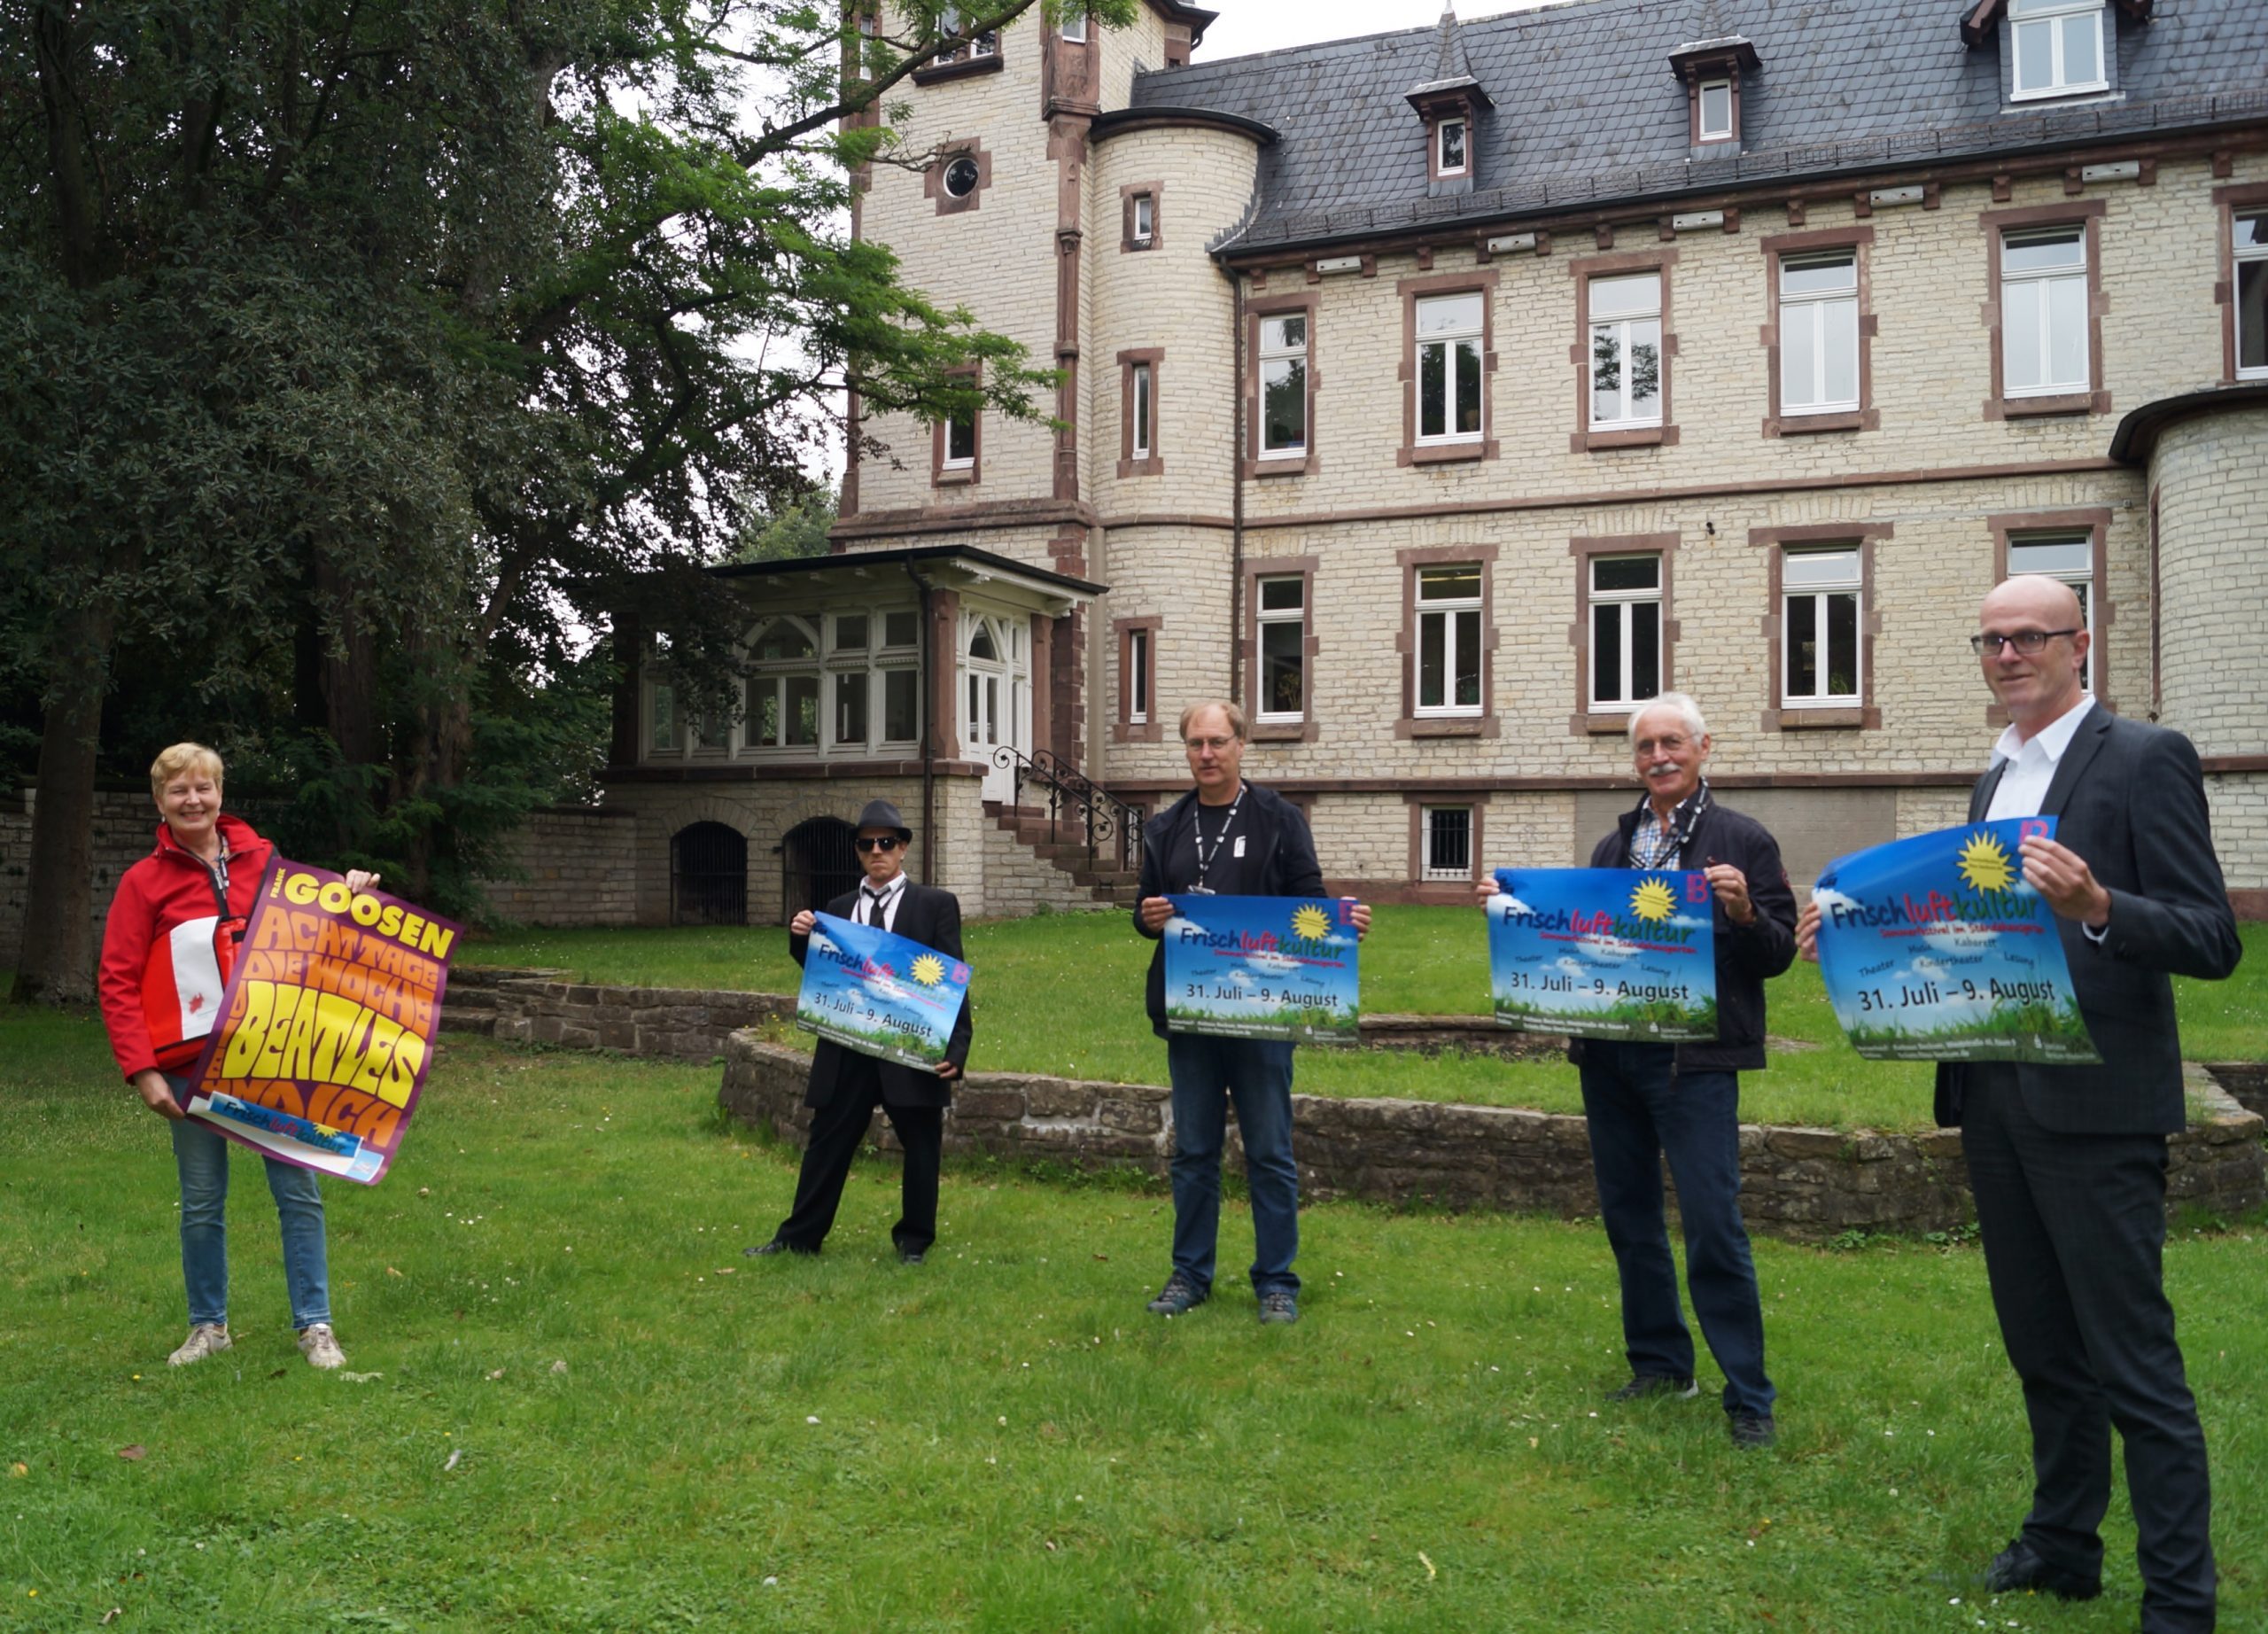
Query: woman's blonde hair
171, 763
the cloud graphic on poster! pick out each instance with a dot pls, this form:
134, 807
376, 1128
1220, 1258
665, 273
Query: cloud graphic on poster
1829, 898
1178, 924
1606, 948
824, 943
1507, 905
1272, 964
1239, 979
1690, 923
883, 987
1573, 967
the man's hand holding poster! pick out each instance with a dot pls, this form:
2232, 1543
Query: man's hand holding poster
1605, 954
1934, 948
1275, 968
879, 993
326, 1025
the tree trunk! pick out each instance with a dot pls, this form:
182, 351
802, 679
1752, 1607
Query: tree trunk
56, 965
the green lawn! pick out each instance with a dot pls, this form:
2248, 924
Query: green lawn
1082, 975
650, 1432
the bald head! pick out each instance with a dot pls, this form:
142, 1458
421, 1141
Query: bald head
2039, 686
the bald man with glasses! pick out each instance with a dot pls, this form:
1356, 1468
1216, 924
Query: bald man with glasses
2068, 1162
846, 1085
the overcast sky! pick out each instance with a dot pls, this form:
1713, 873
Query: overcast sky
1250, 25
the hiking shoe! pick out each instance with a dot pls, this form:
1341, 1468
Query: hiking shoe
1276, 1305
1644, 1385
320, 1346
1178, 1296
206, 1338
1751, 1429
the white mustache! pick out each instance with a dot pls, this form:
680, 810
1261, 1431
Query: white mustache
1661, 765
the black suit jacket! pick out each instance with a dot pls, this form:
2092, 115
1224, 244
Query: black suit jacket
927, 916
2131, 801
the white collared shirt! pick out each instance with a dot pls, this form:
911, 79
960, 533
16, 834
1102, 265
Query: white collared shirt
886, 899
2031, 763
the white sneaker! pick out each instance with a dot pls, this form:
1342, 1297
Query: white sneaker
320, 1346
206, 1338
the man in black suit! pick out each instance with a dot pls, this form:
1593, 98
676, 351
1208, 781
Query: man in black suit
847, 1085
2068, 1162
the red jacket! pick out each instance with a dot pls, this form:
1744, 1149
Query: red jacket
167, 948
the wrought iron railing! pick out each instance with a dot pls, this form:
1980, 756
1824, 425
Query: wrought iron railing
1078, 810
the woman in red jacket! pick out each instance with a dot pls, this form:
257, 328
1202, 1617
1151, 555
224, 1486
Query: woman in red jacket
167, 948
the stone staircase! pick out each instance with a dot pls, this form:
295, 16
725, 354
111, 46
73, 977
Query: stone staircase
470, 1004
1065, 879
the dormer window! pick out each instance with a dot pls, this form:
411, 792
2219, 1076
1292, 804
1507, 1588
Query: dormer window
1716, 110
1449, 156
2058, 47
1712, 71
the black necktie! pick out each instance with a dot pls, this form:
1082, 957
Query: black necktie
873, 901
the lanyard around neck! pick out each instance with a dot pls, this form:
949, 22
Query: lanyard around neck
1197, 834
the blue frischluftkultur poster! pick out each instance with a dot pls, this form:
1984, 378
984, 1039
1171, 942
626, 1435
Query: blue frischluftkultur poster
1605, 954
1279, 968
1935, 949
879, 993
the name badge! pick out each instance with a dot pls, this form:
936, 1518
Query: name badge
1239, 851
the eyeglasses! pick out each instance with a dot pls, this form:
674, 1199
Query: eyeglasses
1668, 745
2028, 643
1216, 745
877, 842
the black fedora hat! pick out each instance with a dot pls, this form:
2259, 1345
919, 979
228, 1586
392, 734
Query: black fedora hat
882, 815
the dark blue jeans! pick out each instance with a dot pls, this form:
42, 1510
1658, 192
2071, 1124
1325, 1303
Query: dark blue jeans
1640, 1110
201, 1156
1209, 1073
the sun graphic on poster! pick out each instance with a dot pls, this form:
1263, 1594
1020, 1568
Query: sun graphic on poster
928, 971
1310, 924
1653, 901
1984, 865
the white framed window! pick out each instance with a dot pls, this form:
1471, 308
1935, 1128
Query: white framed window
1074, 28
1282, 617
1143, 406
2249, 242
1716, 98
1625, 605
1625, 317
1820, 626
1451, 154
2058, 47
783, 686
1284, 385
1146, 218
960, 441
662, 735
2044, 312
2065, 554
1136, 680
1446, 832
1448, 640
1449, 329
1819, 333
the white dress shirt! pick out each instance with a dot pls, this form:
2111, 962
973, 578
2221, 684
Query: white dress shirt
2032, 762
887, 899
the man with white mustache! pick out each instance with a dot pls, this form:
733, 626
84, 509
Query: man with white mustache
1644, 1102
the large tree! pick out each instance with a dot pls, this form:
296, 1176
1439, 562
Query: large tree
396, 336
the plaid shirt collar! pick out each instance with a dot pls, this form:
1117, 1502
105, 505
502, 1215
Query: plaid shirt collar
1653, 845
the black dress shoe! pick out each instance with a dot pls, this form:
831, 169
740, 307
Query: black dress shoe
910, 1256
777, 1247
2018, 1569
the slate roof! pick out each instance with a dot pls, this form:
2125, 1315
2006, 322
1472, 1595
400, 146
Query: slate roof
1589, 112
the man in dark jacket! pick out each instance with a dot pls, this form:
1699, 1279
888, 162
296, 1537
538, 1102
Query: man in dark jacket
2068, 1162
1643, 1101
1227, 838
847, 1085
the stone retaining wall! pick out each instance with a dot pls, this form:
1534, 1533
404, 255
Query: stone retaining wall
1805, 1183
690, 1023
2245, 1082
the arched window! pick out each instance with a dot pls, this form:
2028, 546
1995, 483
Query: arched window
783, 690
817, 865
708, 875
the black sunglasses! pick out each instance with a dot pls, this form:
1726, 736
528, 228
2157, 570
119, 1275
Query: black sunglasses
877, 842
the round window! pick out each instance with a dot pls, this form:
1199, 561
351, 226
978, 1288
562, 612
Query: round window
961, 177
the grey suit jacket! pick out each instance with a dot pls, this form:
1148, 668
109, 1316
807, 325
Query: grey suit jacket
2130, 799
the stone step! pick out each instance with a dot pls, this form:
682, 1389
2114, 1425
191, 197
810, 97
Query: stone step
479, 1022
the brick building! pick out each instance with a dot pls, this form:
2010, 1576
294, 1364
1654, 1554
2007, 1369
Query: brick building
1439, 394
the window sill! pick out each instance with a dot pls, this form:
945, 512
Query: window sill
1271, 465
2067, 402
1840, 420
1282, 732
2057, 93
960, 477
1447, 452
968, 69
1625, 437
1138, 732
1601, 723
1447, 726
1835, 717
1154, 466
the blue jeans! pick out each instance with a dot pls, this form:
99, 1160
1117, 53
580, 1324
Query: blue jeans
201, 1153
1207, 1073
1641, 1109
